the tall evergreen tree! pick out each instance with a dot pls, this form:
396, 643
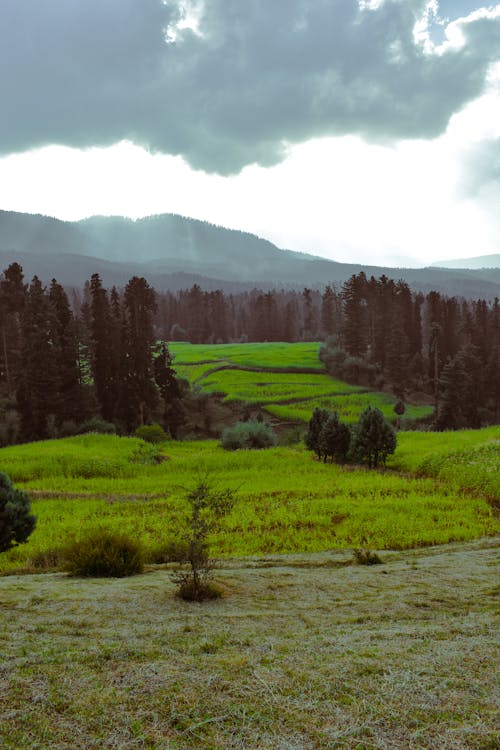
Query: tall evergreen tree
354, 327
69, 403
102, 361
374, 438
12, 299
139, 393
38, 380
169, 389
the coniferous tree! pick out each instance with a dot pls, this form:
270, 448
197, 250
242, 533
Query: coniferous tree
373, 439
16, 520
169, 389
102, 363
312, 437
328, 311
69, 403
354, 327
334, 438
38, 379
139, 394
12, 299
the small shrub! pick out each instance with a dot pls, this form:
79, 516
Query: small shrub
103, 554
174, 550
203, 591
207, 508
96, 424
252, 434
147, 455
151, 433
16, 521
366, 557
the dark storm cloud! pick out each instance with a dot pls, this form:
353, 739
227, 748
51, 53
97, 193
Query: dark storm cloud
93, 72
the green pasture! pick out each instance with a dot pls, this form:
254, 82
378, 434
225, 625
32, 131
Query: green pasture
466, 458
287, 501
272, 355
287, 395
269, 387
348, 406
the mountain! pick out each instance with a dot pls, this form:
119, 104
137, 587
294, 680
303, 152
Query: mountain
174, 252
481, 261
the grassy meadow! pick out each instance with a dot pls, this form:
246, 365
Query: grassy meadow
287, 380
288, 502
303, 653
306, 650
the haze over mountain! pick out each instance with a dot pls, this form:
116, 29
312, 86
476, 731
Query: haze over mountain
174, 252
482, 261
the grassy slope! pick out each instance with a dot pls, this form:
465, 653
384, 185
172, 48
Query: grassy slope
303, 654
287, 501
285, 394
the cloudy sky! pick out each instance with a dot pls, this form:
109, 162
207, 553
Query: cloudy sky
362, 130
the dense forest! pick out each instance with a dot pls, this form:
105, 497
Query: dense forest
70, 356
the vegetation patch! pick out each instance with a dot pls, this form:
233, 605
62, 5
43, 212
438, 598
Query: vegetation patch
101, 553
304, 653
287, 500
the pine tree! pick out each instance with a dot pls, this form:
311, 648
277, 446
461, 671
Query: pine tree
334, 438
12, 299
328, 311
312, 438
169, 388
38, 380
69, 403
139, 394
374, 438
102, 362
354, 326
16, 521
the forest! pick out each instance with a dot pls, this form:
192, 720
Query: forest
69, 356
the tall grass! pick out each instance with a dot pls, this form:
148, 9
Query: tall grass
272, 355
287, 501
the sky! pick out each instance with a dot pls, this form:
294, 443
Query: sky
358, 130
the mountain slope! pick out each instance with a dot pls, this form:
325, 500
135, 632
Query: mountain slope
174, 252
481, 261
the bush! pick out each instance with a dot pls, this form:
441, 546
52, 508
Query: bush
103, 554
151, 433
373, 439
251, 434
16, 521
203, 591
207, 508
97, 424
366, 557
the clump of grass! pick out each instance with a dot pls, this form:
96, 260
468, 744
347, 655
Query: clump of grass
103, 554
366, 557
253, 434
200, 592
174, 550
151, 433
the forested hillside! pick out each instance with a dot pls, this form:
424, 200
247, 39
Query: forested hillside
102, 353
173, 252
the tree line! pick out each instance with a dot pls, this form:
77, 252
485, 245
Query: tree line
377, 332
59, 369
69, 355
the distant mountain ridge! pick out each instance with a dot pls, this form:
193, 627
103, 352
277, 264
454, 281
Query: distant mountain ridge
481, 261
174, 252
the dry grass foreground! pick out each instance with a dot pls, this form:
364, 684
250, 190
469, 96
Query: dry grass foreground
303, 652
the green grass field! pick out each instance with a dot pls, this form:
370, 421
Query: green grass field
302, 653
288, 502
276, 355
305, 650
275, 382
